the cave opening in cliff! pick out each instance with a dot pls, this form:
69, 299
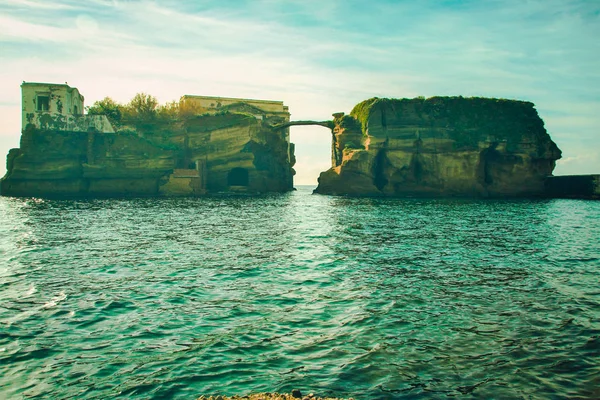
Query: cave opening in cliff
417, 169
383, 119
487, 159
379, 180
238, 177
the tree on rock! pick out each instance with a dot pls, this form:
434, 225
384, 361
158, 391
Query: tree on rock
108, 107
142, 107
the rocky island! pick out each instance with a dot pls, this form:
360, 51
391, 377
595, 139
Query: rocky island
192, 147
440, 146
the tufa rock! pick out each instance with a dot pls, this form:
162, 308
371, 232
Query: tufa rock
441, 146
228, 151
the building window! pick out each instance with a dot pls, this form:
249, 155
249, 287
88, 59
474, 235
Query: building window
75, 110
43, 103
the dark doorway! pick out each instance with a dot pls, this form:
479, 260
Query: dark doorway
237, 177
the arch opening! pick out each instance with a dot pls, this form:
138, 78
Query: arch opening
238, 177
312, 152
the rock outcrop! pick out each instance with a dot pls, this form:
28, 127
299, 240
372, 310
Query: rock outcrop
441, 146
222, 151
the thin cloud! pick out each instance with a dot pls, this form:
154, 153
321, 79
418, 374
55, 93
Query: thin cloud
41, 5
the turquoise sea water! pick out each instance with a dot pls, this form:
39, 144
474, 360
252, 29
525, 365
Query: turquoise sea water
371, 298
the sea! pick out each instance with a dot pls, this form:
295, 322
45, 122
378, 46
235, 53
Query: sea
349, 297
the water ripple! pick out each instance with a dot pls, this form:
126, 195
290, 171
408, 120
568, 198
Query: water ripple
371, 298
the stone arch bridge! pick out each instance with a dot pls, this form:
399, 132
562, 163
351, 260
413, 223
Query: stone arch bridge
326, 124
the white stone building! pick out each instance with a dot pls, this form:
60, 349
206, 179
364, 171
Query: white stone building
57, 106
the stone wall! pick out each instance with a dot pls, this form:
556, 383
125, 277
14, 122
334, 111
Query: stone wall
71, 123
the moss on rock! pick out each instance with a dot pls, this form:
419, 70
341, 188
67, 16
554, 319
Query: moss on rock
144, 152
442, 146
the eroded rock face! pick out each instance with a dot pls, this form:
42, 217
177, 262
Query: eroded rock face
228, 151
441, 146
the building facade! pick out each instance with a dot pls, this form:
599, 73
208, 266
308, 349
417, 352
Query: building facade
56, 106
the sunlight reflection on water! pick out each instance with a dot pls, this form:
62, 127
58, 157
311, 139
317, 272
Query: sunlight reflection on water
371, 298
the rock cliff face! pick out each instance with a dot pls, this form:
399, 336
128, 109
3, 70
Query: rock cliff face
441, 146
225, 151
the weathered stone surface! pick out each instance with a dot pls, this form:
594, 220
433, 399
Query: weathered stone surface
441, 146
226, 150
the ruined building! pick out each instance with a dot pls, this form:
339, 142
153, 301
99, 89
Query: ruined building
58, 107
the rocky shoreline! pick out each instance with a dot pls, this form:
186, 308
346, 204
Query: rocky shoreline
293, 395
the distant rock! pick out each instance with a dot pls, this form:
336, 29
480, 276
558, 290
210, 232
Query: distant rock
441, 146
271, 396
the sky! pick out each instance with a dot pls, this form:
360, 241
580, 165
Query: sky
319, 57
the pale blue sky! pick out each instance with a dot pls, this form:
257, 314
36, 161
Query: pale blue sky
317, 56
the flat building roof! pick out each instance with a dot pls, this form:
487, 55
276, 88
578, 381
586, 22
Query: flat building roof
233, 98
